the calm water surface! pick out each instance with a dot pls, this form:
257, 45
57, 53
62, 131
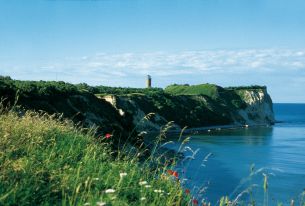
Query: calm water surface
277, 151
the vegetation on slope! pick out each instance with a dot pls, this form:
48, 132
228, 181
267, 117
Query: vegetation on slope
224, 96
211, 90
63, 98
45, 161
35, 89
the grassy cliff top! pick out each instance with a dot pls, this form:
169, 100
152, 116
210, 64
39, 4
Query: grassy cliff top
51, 88
210, 90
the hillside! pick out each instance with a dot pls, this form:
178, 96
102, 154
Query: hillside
45, 161
119, 110
81, 106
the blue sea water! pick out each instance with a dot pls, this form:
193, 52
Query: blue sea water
223, 160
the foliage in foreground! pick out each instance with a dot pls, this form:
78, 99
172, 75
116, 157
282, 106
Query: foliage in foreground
45, 161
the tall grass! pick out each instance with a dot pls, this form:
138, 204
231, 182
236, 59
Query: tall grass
48, 161
45, 160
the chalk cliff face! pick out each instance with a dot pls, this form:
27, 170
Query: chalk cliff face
129, 108
259, 108
244, 106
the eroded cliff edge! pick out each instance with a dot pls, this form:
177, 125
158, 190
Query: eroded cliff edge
196, 106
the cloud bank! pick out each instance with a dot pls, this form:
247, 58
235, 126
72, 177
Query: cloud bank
172, 64
271, 67
188, 62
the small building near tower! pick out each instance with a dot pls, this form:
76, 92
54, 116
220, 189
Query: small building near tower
148, 81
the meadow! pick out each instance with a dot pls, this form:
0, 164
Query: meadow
45, 160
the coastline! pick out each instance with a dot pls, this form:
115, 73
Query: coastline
198, 130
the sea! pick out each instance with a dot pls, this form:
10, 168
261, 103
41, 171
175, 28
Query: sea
265, 164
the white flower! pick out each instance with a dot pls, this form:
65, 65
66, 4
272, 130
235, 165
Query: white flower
143, 198
123, 174
158, 191
143, 183
96, 178
87, 204
142, 133
101, 203
147, 186
109, 191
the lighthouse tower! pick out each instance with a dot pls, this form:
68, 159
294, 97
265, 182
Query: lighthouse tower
148, 81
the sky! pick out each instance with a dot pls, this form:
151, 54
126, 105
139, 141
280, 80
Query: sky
119, 42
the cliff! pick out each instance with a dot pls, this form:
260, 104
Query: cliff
196, 106
121, 110
259, 109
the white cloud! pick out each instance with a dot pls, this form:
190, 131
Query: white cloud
164, 63
170, 64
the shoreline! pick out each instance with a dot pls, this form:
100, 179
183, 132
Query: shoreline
199, 130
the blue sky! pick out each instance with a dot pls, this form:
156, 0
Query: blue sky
118, 42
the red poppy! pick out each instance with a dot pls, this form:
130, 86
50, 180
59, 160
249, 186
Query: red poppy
107, 136
175, 174
187, 191
170, 172
195, 202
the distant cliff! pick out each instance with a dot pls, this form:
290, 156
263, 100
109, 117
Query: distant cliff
120, 110
259, 109
196, 106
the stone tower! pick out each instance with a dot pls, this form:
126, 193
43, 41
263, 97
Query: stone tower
148, 81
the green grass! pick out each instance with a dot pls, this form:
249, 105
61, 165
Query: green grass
209, 90
46, 161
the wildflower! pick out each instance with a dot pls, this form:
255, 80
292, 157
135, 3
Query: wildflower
143, 183
147, 186
195, 202
143, 198
187, 191
107, 136
109, 191
123, 174
170, 172
101, 203
175, 174
158, 191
